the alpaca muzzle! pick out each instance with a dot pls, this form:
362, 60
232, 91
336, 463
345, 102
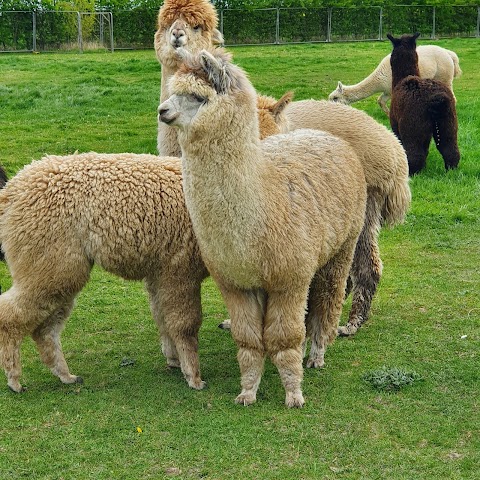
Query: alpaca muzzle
165, 115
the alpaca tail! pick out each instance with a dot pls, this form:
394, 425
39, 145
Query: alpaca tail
457, 71
398, 200
439, 104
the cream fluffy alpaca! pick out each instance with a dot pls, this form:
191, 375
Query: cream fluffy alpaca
386, 172
123, 212
3, 181
189, 24
271, 219
434, 62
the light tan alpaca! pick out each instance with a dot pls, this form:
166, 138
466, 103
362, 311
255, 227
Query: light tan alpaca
433, 61
271, 218
189, 24
123, 212
386, 172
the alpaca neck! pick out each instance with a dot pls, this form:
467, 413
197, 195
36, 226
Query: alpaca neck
167, 142
375, 82
167, 72
225, 192
403, 67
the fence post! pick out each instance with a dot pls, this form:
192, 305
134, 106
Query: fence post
34, 31
329, 25
221, 21
380, 25
80, 38
477, 34
110, 14
277, 27
433, 23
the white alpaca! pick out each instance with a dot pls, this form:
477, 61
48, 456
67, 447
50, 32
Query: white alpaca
434, 62
187, 24
386, 172
273, 219
124, 212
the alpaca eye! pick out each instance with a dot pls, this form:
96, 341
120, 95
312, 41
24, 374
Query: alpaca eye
196, 27
199, 99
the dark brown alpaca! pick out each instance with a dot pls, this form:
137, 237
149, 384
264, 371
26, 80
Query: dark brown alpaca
420, 108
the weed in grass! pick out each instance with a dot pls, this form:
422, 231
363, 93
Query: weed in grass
390, 379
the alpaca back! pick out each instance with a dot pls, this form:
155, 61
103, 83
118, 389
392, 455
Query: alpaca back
125, 212
438, 63
379, 151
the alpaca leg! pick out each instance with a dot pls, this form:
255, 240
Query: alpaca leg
445, 136
366, 268
284, 337
176, 307
325, 303
47, 338
246, 310
167, 344
10, 342
382, 101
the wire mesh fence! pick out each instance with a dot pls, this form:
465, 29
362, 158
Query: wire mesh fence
59, 30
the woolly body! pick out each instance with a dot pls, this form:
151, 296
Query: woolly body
123, 212
421, 109
433, 61
386, 172
189, 24
3, 181
270, 218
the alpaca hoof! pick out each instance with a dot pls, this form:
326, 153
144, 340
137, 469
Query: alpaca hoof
347, 330
197, 384
173, 363
16, 388
294, 400
79, 380
246, 399
315, 363
225, 325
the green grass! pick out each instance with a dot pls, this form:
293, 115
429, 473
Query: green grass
425, 318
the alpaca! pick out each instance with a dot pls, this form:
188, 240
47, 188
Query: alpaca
434, 62
189, 24
273, 219
421, 108
123, 212
3, 181
386, 173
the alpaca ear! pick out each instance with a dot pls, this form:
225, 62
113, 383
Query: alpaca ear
395, 41
215, 70
416, 35
340, 87
280, 106
217, 37
184, 55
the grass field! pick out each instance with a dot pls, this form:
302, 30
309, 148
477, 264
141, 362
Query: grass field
135, 419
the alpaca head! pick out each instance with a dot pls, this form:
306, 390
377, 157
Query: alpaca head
338, 95
271, 114
189, 24
404, 58
210, 94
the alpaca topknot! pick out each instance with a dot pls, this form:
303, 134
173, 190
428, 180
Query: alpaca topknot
195, 12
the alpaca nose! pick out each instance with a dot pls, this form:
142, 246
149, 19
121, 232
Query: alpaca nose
165, 115
179, 37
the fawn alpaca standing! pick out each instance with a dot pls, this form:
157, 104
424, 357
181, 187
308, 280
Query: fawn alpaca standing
272, 219
421, 108
187, 24
386, 173
55, 223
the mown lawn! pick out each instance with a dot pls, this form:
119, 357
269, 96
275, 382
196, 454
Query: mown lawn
133, 418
